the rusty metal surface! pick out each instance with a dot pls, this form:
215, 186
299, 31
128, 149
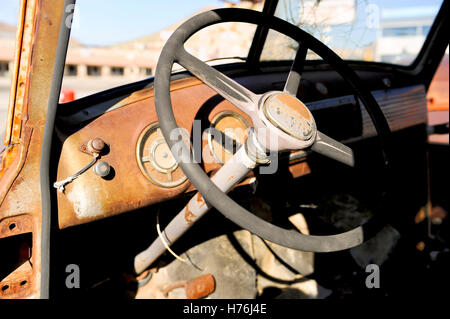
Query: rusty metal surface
22, 56
200, 287
18, 284
196, 288
96, 145
16, 225
90, 197
20, 198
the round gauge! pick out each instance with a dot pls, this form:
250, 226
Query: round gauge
155, 159
227, 132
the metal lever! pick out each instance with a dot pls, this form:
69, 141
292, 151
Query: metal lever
60, 185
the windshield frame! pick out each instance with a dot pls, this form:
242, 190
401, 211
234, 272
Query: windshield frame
433, 36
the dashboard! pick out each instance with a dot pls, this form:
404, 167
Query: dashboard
135, 167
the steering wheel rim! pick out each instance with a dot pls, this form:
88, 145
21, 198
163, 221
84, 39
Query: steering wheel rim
211, 193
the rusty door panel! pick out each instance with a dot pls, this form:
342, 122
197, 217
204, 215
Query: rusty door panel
20, 195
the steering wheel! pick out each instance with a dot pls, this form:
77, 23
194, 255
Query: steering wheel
288, 122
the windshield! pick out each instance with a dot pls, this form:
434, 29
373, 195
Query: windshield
376, 30
123, 44
115, 43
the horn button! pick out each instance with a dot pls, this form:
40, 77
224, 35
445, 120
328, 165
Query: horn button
290, 115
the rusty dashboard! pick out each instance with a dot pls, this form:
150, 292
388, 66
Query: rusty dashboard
131, 133
142, 171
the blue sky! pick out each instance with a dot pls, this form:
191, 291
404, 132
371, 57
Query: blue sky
111, 21
9, 10
103, 22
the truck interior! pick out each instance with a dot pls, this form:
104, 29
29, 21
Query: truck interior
353, 179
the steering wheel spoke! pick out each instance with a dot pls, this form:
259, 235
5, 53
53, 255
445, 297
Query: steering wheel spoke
331, 148
229, 89
293, 80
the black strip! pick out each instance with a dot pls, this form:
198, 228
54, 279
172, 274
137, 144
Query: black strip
300, 58
260, 36
429, 57
58, 72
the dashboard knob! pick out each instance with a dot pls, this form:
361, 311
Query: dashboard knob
96, 145
102, 169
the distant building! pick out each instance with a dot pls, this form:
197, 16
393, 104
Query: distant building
85, 61
135, 59
7, 39
402, 33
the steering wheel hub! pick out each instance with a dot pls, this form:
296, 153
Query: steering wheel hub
290, 115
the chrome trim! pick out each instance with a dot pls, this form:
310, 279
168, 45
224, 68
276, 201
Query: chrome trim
402, 108
332, 102
213, 124
143, 137
298, 155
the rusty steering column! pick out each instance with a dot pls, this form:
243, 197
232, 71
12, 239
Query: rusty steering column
250, 155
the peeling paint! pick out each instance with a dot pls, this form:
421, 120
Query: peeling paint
188, 215
85, 201
200, 201
20, 200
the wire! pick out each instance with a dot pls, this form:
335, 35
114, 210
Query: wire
166, 245
164, 241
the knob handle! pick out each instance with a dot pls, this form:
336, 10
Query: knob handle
102, 169
96, 145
